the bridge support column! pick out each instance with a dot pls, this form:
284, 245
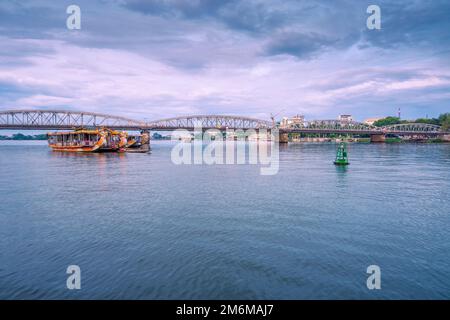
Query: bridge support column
283, 138
146, 137
446, 137
377, 138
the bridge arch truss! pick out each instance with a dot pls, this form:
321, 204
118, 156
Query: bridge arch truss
330, 126
337, 126
58, 119
64, 119
209, 122
412, 128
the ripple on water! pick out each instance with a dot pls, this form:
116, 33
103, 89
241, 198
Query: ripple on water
143, 228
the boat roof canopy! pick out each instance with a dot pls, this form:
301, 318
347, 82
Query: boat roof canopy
85, 131
74, 132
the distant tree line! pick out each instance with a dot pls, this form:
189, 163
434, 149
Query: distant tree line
157, 136
443, 120
20, 136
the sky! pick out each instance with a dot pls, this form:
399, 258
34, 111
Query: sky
161, 58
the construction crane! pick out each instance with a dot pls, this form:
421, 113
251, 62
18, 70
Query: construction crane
272, 116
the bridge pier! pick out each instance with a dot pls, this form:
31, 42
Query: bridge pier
283, 138
146, 137
377, 138
446, 137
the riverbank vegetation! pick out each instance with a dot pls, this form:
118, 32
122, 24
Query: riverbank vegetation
443, 120
20, 136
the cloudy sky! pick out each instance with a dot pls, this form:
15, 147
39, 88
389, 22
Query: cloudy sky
160, 58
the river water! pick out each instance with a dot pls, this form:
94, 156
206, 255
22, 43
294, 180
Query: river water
141, 227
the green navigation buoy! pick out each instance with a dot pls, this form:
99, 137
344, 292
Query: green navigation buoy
341, 155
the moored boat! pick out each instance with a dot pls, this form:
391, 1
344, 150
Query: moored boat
87, 140
78, 141
116, 141
138, 143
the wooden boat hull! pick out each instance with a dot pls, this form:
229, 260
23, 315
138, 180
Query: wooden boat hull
145, 148
75, 148
106, 150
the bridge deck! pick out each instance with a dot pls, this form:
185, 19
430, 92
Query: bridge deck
68, 120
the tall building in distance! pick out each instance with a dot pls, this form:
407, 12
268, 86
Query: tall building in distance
371, 121
345, 118
295, 121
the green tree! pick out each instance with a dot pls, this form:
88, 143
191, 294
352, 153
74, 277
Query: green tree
19, 136
444, 121
429, 121
387, 121
156, 136
40, 137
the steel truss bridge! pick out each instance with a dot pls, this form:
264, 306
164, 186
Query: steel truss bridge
57, 119
64, 119
352, 127
210, 122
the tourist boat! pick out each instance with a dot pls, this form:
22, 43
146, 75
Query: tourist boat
84, 140
78, 141
138, 143
115, 141
132, 141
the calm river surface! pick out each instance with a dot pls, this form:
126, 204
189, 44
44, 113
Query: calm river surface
141, 227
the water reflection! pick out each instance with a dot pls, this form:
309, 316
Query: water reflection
341, 170
99, 163
98, 155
